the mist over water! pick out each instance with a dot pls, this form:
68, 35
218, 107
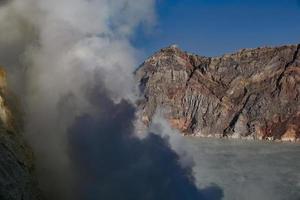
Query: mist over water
244, 169
247, 169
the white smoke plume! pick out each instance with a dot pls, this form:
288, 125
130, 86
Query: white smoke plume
73, 59
57, 51
161, 126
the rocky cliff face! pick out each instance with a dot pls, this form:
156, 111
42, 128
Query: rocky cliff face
253, 93
17, 181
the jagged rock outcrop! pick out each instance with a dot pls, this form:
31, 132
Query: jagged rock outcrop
17, 180
253, 93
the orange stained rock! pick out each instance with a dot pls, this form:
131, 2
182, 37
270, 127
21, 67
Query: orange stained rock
2, 77
290, 134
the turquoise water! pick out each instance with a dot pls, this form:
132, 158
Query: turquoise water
247, 170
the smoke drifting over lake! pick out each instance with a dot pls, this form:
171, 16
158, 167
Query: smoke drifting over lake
115, 164
71, 62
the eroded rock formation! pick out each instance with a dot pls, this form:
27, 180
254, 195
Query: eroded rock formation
253, 93
17, 181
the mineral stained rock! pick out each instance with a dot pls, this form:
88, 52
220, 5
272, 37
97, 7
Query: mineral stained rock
253, 93
17, 180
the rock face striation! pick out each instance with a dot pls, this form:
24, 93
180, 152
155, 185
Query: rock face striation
17, 181
253, 93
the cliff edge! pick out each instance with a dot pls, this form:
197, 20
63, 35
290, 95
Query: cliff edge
17, 180
253, 93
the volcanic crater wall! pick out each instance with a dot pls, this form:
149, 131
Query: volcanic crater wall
253, 93
17, 179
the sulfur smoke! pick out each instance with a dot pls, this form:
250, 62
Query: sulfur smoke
60, 46
71, 62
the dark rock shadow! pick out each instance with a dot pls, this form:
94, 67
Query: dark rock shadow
114, 165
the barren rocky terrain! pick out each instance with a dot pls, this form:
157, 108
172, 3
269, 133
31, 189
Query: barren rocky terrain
253, 93
17, 179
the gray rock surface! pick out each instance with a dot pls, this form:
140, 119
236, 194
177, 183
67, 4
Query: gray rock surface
253, 93
17, 180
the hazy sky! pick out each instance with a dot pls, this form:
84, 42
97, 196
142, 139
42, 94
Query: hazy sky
214, 27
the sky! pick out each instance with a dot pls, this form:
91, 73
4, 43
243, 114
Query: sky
215, 27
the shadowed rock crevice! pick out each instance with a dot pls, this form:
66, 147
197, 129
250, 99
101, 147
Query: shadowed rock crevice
278, 82
230, 129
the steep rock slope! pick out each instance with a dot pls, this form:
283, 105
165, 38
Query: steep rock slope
253, 93
17, 181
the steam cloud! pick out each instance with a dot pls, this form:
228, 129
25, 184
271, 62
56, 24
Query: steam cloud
123, 166
71, 62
